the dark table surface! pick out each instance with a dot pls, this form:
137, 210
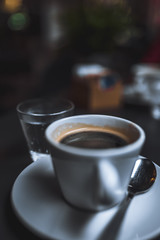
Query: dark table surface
14, 158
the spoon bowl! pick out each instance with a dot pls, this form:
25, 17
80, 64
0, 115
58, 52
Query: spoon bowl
142, 178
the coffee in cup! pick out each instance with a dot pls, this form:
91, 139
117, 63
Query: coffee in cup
94, 139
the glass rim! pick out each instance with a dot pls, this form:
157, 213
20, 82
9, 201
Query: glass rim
34, 100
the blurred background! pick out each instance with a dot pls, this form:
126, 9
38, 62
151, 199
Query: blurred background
102, 54
42, 40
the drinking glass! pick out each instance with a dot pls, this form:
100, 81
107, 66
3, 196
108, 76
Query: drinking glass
35, 115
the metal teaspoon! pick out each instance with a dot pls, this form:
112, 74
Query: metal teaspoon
142, 178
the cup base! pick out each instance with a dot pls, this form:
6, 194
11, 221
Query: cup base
99, 208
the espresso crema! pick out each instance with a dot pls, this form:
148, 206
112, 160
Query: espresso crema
91, 137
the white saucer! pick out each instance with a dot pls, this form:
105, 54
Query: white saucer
39, 205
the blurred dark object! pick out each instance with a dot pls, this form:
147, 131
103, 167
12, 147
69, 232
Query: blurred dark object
19, 31
95, 87
38, 49
153, 53
93, 26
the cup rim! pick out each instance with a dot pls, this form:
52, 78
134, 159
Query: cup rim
34, 100
95, 152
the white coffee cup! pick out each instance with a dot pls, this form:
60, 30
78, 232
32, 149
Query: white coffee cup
94, 179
